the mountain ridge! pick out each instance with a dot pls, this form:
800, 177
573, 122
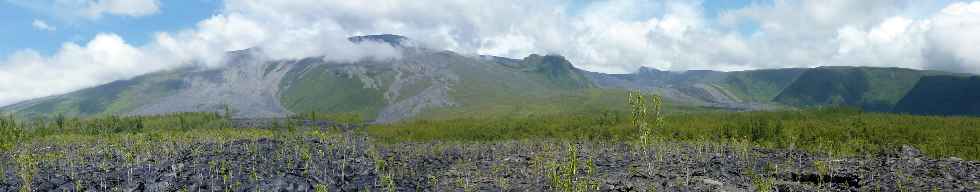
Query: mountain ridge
425, 81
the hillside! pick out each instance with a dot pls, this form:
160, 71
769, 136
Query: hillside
385, 90
739, 90
246, 84
943, 95
873, 89
761, 85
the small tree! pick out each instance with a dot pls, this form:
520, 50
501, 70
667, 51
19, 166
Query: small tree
641, 110
228, 112
59, 120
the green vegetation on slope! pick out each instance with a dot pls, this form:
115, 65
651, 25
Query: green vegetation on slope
556, 102
82, 103
760, 85
482, 85
327, 91
556, 70
943, 95
112, 98
538, 84
872, 89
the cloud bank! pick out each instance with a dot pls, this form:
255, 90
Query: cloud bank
620, 36
616, 36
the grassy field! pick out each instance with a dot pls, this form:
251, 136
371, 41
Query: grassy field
837, 131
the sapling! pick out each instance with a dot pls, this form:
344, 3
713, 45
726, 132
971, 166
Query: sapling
306, 157
225, 172
822, 169
3, 172
320, 188
503, 183
71, 172
212, 173
254, 176
27, 168
640, 112
389, 182
899, 183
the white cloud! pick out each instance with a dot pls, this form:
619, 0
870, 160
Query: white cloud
107, 57
41, 25
953, 43
71, 10
622, 35
27, 74
135, 8
863, 33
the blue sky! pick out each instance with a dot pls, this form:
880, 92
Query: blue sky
19, 34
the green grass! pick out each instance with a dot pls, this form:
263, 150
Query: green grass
586, 101
111, 98
178, 127
566, 126
329, 91
836, 131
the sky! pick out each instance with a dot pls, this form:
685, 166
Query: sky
56, 46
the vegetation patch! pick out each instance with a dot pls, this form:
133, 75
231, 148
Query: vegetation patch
839, 131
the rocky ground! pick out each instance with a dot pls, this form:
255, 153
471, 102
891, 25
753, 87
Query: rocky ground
349, 162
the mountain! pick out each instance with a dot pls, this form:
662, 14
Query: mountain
384, 90
870, 88
431, 84
943, 95
556, 70
739, 90
247, 83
